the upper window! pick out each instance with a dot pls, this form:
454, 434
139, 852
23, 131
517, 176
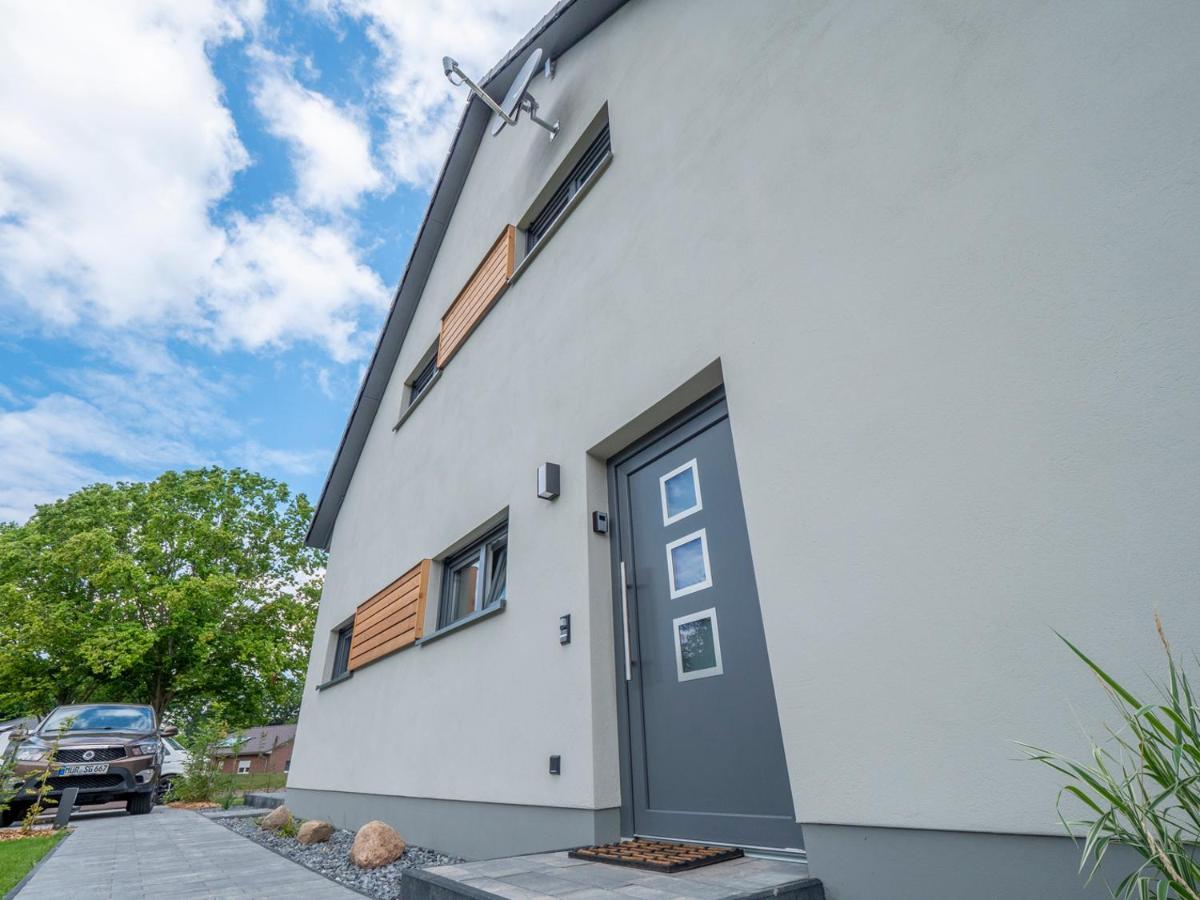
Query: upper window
475, 579
423, 376
341, 655
596, 153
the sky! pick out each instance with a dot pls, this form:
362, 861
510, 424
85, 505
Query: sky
204, 209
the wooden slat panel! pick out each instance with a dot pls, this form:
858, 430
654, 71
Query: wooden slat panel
478, 295
392, 619
367, 617
473, 303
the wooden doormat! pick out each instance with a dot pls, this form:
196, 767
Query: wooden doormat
659, 856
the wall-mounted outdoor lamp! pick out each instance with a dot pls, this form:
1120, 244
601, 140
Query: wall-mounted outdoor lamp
548, 481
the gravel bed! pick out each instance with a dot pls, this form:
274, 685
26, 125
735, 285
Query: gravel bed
332, 858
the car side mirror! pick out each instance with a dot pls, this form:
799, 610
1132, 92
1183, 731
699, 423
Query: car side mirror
168, 731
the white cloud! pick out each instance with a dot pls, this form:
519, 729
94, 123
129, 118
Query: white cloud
330, 145
282, 277
114, 149
254, 456
126, 423
411, 39
104, 425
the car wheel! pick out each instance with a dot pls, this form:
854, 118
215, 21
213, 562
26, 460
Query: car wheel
140, 804
160, 792
12, 814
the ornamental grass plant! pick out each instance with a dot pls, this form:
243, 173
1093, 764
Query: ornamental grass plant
1141, 787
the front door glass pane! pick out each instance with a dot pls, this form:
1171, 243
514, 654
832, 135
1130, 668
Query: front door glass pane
698, 646
680, 490
687, 560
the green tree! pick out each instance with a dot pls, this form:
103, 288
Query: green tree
193, 592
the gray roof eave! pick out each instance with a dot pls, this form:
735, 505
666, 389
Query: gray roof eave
565, 24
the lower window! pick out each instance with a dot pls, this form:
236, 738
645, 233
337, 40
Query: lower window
476, 578
243, 767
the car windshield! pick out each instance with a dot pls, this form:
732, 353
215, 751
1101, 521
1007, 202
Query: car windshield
100, 718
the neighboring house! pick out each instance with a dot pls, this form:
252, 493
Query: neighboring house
266, 748
873, 332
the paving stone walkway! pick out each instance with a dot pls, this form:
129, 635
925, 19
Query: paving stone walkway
170, 853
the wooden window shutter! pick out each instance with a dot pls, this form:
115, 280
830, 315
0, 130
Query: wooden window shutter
479, 295
392, 619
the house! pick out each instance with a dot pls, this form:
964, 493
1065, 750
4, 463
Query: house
264, 748
726, 463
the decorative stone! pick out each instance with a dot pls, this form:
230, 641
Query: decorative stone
276, 818
376, 844
314, 831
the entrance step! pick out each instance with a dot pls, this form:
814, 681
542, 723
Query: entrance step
556, 875
264, 800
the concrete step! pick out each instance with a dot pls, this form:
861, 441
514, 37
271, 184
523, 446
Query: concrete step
556, 875
264, 800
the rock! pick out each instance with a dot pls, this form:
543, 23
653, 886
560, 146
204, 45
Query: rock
376, 844
276, 818
314, 831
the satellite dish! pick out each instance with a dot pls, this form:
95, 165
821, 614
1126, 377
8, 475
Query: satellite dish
516, 93
518, 97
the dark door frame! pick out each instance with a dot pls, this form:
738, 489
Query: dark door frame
617, 518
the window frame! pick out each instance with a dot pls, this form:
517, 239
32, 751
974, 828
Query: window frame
243, 762
419, 383
344, 633
567, 177
598, 149
490, 553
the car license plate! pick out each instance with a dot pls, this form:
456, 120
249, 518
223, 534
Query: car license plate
83, 769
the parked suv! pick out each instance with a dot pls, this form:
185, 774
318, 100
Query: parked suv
109, 751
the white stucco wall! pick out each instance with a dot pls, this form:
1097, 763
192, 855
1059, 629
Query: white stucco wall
947, 257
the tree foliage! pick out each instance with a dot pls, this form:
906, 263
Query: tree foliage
193, 592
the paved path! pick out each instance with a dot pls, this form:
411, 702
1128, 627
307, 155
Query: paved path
170, 853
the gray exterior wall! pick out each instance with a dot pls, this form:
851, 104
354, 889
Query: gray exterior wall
944, 260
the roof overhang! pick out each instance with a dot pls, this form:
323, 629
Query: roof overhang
567, 23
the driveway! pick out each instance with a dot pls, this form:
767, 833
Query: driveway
169, 853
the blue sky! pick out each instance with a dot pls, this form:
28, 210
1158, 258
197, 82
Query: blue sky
204, 208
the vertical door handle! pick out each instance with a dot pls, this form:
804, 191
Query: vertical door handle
625, 617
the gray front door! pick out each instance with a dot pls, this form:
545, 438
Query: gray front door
704, 751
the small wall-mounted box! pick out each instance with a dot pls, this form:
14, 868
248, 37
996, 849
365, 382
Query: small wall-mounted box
548, 479
599, 522
564, 629
556, 765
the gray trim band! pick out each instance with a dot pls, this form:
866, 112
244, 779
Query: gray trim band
462, 827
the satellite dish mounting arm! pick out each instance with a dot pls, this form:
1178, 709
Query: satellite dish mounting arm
525, 102
450, 67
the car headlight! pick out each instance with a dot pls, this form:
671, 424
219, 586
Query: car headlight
143, 748
31, 754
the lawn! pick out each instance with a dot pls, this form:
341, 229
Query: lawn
258, 781
18, 856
